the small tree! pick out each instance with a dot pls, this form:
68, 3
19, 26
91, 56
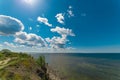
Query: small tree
1, 55
41, 61
5, 51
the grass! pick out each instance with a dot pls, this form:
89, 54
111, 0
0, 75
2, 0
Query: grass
21, 66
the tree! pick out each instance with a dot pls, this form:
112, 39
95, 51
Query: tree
5, 50
41, 61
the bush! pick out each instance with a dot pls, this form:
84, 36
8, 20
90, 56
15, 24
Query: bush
1, 55
41, 61
5, 50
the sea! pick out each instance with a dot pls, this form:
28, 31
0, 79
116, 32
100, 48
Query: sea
84, 66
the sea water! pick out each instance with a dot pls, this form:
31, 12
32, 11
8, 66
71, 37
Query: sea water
83, 66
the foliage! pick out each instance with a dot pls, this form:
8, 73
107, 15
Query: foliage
1, 56
41, 61
5, 50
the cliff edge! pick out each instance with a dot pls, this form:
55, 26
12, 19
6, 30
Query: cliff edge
21, 66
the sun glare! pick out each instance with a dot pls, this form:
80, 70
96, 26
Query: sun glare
31, 5
30, 2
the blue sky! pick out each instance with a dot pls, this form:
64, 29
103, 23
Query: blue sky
60, 25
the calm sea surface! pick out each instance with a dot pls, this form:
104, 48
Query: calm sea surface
80, 66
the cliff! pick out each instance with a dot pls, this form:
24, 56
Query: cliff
21, 66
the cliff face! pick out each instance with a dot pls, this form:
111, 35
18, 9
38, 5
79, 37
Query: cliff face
19, 66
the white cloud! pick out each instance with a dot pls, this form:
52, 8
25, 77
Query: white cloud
10, 25
57, 42
30, 39
70, 12
30, 28
14, 27
63, 31
44, 20
60, 18
37, 25
70, 7
60, 42
10, 44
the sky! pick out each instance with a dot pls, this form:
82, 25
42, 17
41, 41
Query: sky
63, 26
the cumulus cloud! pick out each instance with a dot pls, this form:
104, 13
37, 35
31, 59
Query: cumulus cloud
44, 20
63, 31
10, 44
30, 39
10, 25
60, 18
59, 42
70, 12
14, 27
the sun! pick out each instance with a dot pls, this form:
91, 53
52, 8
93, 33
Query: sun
31, 5
30, 2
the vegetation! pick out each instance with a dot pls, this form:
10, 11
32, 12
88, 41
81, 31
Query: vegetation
21, 66
41, 61
5, 51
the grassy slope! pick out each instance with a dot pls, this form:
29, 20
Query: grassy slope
19, 66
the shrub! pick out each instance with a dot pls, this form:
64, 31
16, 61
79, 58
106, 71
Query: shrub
41, 61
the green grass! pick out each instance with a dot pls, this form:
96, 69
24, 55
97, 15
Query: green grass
21, 66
